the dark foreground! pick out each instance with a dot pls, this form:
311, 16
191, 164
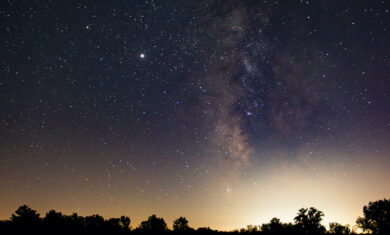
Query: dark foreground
376, 220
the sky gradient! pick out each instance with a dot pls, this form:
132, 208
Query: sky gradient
226, 112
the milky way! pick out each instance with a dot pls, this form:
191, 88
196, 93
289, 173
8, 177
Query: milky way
191, 108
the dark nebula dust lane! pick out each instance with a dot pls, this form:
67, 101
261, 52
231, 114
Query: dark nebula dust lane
242, 110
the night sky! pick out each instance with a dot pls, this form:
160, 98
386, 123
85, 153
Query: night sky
226, 112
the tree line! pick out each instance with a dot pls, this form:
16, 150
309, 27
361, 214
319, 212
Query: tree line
375, 220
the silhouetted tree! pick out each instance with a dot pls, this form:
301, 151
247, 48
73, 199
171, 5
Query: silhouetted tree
277, 227
309, 221
25, 214
54, 221
76, 223
181, 225
125, 222
205, 230
153, 224
113, 225
252, 228
94, 223
336, 228
376, 217
274, 226
26, 218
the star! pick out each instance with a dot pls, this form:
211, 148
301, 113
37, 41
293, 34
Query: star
142, 55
